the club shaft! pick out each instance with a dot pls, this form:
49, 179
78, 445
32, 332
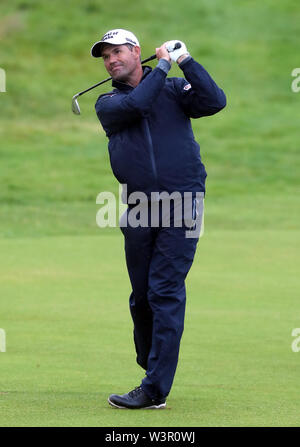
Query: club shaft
108, 79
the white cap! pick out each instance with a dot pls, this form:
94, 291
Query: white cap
114, 37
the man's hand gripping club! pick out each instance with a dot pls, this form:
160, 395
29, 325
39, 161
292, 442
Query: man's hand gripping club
173, 50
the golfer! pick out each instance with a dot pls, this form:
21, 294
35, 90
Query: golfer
152, 151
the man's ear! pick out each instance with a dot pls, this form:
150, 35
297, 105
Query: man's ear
137, 52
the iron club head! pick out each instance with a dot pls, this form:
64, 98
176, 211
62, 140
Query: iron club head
75, 105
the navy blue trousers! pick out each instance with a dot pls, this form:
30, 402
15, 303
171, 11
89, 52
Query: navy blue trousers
158, 261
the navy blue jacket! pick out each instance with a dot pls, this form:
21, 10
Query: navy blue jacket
151, 141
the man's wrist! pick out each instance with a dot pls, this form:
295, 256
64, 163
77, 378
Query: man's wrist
182, 58
164, 65
185, 62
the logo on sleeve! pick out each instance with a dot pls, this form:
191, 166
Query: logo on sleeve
187, 87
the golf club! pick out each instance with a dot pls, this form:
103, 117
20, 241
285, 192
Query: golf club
75, 105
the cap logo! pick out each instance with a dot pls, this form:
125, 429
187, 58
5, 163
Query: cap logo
109, 35
187, 87
131, 41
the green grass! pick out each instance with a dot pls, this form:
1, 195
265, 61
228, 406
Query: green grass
69, 345
52, 157
64, 286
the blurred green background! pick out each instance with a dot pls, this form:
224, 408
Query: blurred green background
53, 163
62, 274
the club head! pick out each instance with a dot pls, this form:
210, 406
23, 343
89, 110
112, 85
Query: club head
75, 105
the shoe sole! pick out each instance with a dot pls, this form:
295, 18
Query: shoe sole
152, 407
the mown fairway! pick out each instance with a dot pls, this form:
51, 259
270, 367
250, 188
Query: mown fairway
69, 344
63, 283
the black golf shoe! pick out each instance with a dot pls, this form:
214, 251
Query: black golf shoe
135, 399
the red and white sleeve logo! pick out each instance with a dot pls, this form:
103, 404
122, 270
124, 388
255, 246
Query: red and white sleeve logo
187, 87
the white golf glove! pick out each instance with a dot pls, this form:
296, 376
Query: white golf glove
176, 53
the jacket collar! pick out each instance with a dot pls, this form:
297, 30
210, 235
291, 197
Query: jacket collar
123, 86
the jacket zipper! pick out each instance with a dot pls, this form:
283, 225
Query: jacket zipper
151, 151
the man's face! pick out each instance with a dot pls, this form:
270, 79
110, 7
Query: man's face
120, 61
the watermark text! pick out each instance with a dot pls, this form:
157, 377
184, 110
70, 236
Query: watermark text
295, 86
2, 80
296, 342
2, 340
158, 209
